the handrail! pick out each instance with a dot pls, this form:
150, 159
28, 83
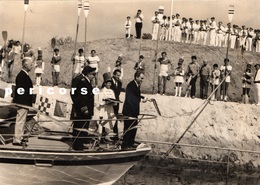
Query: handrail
199, 146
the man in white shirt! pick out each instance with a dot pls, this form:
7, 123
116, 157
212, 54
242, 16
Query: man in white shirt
93, 61
139, 23
220, 34
212, 31
177, 28
249, 39
156, 23
257, 83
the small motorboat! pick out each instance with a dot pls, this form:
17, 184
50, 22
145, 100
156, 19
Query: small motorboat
48, 158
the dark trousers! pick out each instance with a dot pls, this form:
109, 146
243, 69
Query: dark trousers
204, 84
162, 80
193, 86
245, 91
224, 88
138, 29
115, 128
129, 136
55, 78
80, 136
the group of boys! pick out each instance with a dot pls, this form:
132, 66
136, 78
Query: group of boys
203, 32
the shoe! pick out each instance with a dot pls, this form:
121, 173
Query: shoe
107, 138
80, 148
20, 144
258, 104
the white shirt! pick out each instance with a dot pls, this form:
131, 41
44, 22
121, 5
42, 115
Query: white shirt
25, 72
257, 76
93, 62
154, 18
228, 68
138, 20
128, 24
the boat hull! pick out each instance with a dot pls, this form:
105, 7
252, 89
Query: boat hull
66, 167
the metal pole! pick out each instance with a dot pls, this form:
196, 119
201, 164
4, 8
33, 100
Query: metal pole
86, 12
26, 4
170, 29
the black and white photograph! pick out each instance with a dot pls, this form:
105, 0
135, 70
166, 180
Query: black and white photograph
129, 92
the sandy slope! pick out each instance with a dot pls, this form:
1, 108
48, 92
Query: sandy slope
224, 125
109, 49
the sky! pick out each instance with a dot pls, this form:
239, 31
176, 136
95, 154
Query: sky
48, 18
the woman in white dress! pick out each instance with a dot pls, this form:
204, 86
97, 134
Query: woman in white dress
106, 110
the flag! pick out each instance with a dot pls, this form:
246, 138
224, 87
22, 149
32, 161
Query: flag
44, 105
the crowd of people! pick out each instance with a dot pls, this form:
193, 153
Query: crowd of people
210, 77
204, 32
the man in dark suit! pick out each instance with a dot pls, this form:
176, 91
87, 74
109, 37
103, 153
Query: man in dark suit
83, 104
131, 108
22, 96
116, 87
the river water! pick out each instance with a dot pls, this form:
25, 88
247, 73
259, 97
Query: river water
187, 173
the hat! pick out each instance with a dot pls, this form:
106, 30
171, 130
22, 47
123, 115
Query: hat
107, 77
141, 56
88, 69
161, 7
39, 51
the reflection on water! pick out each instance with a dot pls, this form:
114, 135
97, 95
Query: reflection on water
188, 174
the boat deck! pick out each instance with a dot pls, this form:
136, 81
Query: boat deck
57, 143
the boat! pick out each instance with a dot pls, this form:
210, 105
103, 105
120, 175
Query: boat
49, 158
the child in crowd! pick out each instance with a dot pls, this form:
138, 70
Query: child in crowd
215, 76
80, 62
28, 52
10, 61
246, 84
128, 25
39, 64
93, 61
56, 59
179, 79
140, 65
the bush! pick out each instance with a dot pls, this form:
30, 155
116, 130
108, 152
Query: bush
62, 41
147, 36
